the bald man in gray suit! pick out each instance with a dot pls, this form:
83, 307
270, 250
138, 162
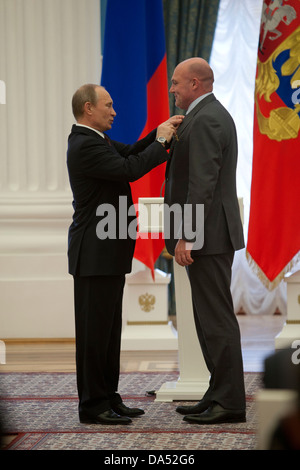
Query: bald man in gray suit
202, 171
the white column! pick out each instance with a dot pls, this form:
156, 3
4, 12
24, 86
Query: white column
48, 48
193, 381
145, 308
289, 337
194, 376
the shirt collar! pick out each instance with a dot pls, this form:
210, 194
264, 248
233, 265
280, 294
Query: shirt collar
95, 130
196, 101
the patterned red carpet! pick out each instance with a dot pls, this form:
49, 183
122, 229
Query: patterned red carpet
40, 412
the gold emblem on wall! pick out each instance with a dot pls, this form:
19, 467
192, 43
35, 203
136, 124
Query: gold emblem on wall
147, 302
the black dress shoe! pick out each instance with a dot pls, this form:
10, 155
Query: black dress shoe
124, 410
107, 417
193, 409
217, 414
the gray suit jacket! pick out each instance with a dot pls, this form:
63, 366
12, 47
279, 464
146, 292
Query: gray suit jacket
202, 170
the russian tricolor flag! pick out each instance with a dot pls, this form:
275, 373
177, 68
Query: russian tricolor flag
134, 72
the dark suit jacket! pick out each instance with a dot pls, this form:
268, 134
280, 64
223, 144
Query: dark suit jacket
99, 174
202, 170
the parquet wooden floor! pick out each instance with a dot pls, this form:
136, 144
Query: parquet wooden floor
257, 332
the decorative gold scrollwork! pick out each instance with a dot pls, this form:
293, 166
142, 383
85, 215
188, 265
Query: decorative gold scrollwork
282, 123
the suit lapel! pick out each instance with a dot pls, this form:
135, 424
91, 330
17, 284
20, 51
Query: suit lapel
187, 120
193, 113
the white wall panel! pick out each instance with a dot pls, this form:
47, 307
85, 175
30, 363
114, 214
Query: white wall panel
48, 48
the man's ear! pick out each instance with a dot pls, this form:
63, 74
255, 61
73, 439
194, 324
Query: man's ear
88, 107
195, 83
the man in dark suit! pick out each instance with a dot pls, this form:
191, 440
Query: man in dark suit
202, 171
101, 244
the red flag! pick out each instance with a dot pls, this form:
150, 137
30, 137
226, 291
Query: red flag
151, 185
135, 74
274, 225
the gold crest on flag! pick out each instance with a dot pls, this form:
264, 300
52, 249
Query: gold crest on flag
280, 32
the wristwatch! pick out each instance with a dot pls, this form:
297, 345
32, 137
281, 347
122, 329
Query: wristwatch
161, 140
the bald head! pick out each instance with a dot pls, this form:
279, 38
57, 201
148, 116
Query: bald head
200, 69
191, 78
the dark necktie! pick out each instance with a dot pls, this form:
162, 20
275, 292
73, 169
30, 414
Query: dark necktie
107, 139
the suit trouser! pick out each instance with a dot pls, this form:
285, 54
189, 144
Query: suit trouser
218, 329
98, 326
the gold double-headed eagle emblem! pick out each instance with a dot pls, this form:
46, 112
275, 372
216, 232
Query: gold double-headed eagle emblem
147, 302
282, 123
